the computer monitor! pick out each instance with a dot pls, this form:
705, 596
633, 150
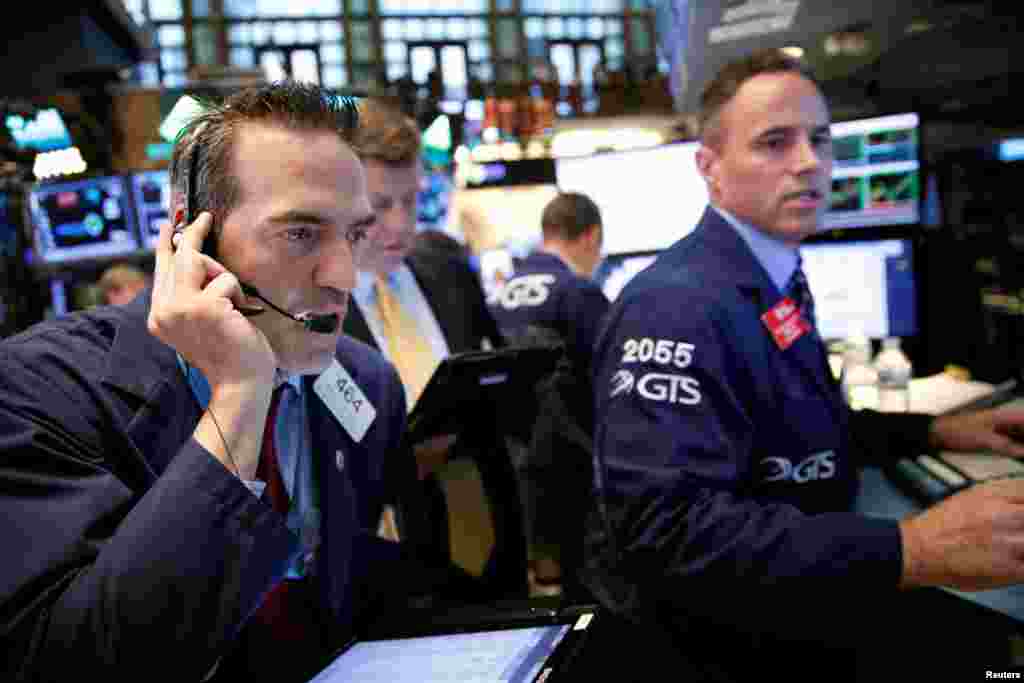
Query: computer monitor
876, 173
151, 194
506, 217
82, 219
864, 287
648, 198
42, 133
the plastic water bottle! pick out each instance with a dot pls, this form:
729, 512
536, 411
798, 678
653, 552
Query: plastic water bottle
894, 372
860, 379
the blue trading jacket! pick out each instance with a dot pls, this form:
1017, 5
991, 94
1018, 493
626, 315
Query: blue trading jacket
545, 292
126, 545
725, 467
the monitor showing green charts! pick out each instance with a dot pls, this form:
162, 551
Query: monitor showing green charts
876, 178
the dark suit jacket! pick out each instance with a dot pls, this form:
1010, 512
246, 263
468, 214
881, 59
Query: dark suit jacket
128, 546
727, 466
454, 294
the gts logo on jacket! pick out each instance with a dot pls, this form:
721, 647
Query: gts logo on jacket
813, 468
657, 386
525, 290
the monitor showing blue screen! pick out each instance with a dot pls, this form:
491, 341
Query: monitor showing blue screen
151, 193
862, 287
82, 219
43, 133
648, 198
876, 173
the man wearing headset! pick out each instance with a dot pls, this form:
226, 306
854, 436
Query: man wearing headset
193, 481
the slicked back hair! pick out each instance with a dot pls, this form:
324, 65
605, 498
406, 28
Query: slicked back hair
731, 78
208, 140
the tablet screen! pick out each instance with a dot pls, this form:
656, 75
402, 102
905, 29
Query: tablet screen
515, 655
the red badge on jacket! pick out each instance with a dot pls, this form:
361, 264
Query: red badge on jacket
785, 323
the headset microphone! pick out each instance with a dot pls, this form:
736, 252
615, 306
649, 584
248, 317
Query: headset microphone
322, 324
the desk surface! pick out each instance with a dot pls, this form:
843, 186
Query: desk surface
880, 497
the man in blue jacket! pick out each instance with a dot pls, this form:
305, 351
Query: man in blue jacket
726, 458
551, 297
151, 524
552, 287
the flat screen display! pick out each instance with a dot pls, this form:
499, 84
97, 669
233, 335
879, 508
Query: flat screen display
862, 287
515, 655
648, 198
82, 219
151, 194
43, 133
876, 177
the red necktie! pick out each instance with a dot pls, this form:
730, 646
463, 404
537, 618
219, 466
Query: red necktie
286, 613
268, 470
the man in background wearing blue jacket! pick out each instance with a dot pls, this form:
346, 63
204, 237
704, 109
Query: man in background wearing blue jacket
551, 297
726, 457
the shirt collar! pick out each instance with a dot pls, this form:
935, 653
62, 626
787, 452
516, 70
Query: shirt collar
550, 258
366, 281
364, 284
201, 386
775, 256
294, 379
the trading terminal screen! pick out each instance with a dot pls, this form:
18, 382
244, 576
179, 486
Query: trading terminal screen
82, 219
876, 173
43, 133
151, 192
648, 198
862, 287
512, 655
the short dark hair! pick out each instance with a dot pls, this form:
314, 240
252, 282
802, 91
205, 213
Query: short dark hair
209, 138
731, 78
386, 134
121, 275
568, 216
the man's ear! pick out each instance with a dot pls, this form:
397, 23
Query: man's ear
707, 165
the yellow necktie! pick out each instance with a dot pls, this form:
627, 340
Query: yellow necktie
407, 346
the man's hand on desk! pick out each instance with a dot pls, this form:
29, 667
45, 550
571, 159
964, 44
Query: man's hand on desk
1000, 430
973, 540
432, 454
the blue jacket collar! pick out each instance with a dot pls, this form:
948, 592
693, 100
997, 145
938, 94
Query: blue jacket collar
139, 361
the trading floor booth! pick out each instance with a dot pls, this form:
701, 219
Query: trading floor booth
867, 275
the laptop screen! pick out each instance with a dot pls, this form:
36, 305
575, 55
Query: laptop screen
515, 655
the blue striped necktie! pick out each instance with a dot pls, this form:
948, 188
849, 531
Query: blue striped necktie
800, 293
